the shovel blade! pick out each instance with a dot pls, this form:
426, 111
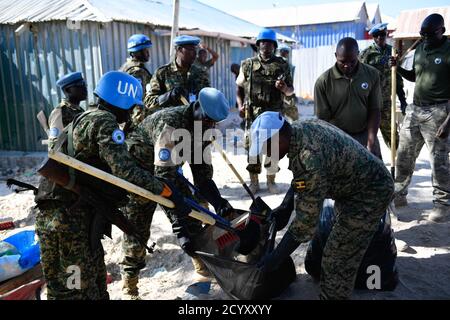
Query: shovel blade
260, 208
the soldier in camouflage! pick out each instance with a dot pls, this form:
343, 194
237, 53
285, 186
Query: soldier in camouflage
151, 144
202, 60
52, 218
326, 163
98, 141
179, 78
138, 48
290, 109
262, 82
377, 55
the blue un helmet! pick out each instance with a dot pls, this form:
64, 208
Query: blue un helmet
120, 90
138, 42
265, 126
268, 35
214, 104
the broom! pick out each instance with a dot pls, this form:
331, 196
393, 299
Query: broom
243, 228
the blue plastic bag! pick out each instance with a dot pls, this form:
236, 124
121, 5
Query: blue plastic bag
29, 254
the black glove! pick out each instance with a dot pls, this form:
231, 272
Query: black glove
284, 249
176, 93
283, 212
181, 207
225, 209
187, 245
172, 97
210, 192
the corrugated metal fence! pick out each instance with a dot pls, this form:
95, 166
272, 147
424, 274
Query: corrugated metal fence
31, 62
310, 63
311, 36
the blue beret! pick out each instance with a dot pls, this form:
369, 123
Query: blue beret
183, 40
69, 79
263, 128
378, 27
214, 104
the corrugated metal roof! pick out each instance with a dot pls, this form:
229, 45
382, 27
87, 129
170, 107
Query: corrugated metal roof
305, 15
373, 11
409, 21
193, 14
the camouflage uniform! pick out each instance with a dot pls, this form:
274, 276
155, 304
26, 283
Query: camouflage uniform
419, 127
95, 143
54, 224
379, 58
327, 163
430, 109
204, 66
290, 102
258, 78
143, 145
138, 70
170, 76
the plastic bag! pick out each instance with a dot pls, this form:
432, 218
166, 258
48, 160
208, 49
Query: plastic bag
243, 279
28, 255
7, 249
381, 252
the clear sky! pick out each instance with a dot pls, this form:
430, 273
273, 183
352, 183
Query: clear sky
389, 7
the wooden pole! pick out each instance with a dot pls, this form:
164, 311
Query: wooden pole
393, 113
176, 14
105, 176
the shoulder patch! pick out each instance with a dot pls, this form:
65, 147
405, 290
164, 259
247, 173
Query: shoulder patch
299, 185
118, 136
164, 154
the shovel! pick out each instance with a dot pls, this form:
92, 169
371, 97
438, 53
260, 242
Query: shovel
242, 228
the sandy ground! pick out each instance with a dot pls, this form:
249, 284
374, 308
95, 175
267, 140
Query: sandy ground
423, 264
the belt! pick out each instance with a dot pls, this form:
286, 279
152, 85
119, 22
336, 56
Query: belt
431, 103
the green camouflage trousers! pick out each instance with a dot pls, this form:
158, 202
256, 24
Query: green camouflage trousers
139, 212
420, 126
385, 125
65, 250
357, 220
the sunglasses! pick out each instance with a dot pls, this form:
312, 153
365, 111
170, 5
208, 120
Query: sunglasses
379, 34
431, 34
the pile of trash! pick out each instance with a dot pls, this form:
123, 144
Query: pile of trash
18, 254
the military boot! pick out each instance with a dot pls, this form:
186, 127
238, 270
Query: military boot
400, 201
440, 213
202, 271
271, 185
130, 289
254, 183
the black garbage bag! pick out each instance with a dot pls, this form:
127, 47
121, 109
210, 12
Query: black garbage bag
238, 275
382, 251
245, 281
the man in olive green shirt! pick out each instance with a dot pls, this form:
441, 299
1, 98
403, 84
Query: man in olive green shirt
348, 95
427, 120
